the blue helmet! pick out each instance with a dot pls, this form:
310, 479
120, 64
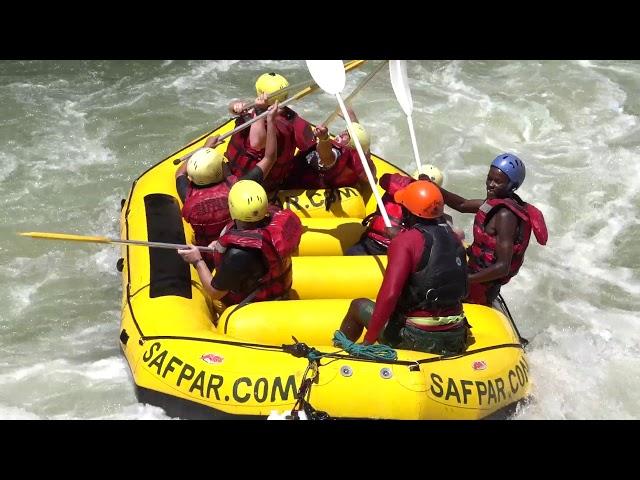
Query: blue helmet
512, 167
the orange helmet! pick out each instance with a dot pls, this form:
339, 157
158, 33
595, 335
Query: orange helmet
422, 198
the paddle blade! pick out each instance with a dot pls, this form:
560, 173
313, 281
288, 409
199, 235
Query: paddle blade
64, 236
328, 74
400, 84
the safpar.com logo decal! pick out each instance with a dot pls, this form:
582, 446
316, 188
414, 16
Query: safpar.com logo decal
212, 358
479, 365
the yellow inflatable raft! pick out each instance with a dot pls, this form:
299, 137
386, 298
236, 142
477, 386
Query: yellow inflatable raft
246, 364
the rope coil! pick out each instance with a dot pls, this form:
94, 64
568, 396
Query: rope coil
372, 352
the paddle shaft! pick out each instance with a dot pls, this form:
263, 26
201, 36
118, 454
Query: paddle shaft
306, 91
255, 119
400, 84
295, 86
302, 93
172, 246
365, 163
414, 143
304, 84
334, 114
85, 238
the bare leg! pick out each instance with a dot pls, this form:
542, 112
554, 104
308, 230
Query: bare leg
357, 318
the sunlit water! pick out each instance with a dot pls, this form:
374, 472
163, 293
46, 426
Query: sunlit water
75, 134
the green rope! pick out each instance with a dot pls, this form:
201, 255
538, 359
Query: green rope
373, 352
315, 355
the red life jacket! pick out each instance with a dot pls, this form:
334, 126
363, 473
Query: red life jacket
276, 241
482, 251
242, 157
292, 131
207, 209
391, 183
345, 172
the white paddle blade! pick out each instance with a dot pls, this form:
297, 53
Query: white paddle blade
400, 84
328, 74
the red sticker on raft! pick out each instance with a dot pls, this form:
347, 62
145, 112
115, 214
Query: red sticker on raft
479, 365
212, 358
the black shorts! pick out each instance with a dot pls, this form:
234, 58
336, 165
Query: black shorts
367, 246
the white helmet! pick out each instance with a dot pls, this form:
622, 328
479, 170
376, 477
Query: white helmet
432, 172
205, 167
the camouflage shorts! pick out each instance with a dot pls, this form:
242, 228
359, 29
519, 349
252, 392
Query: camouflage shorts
407, 337
398, 335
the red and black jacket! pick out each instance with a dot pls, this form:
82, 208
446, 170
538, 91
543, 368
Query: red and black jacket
276, 241
207, 209
482, 253
292, 131
348, 169
391, 182
241, 156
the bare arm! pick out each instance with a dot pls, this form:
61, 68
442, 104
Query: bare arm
271, 149
211, 142
236, 106
459, 203
506, 224
324, 147
194, 257
257, 131
182, 169
399, 267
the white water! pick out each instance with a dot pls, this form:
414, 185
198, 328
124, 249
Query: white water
76, 134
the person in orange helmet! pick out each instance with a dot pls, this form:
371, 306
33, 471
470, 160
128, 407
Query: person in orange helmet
419, 305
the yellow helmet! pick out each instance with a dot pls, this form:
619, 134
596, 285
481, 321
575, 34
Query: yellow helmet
432, 172
269, 83
205, 167
362, 135
248, 201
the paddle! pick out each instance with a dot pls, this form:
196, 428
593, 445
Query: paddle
330, 76
302, 93
359, 87
400, 84
311, 88
84, 238
304, 84
261, 116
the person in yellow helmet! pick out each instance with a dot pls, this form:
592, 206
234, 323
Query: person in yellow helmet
431, 171
253, 254
293, 132
376, 239
203, 183
333, 163
269, 84
419, 305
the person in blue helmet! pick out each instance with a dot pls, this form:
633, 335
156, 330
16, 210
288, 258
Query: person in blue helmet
501, 229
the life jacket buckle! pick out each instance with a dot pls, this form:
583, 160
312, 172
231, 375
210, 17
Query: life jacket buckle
428, 295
